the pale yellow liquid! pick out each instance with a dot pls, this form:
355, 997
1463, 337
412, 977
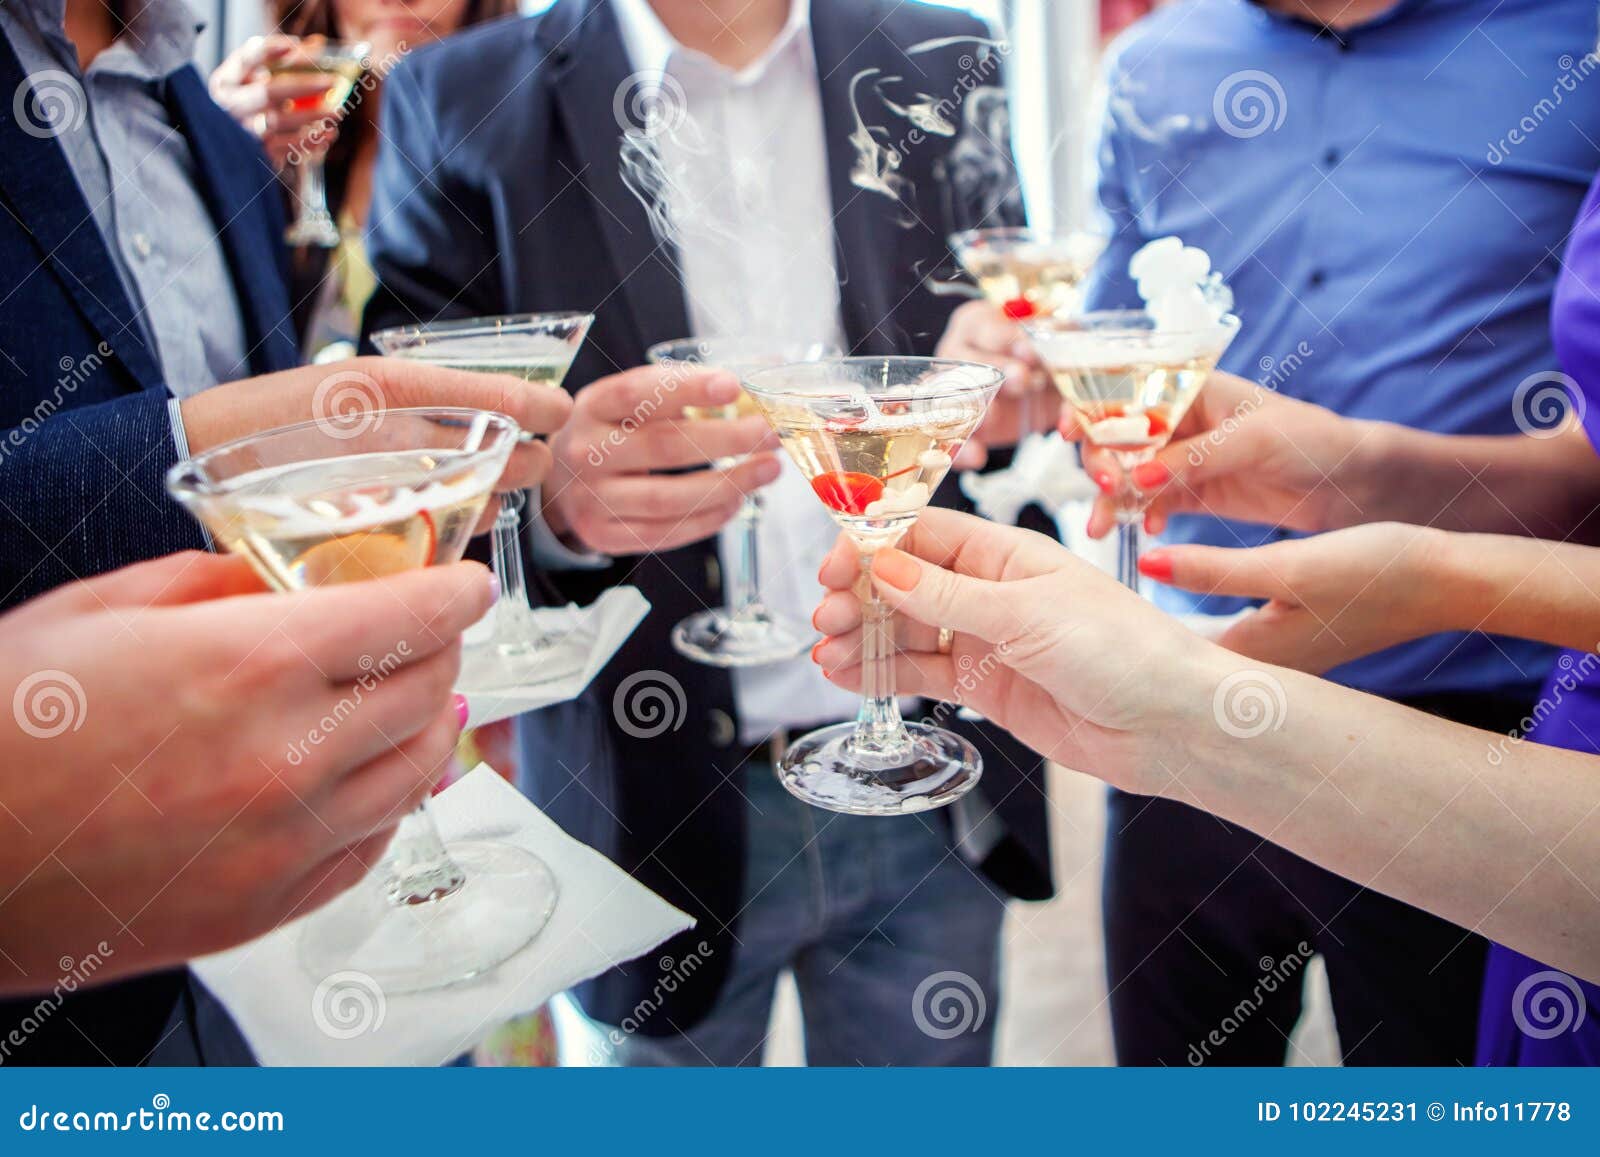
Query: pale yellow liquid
536, 370
906, 454
1051, 284
1108, 400
343, 73
349, 519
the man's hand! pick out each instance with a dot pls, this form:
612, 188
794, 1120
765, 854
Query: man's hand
254, 779
605, 492
979, 332
342, 389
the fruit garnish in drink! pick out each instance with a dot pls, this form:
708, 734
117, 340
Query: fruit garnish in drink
847, 491
1028, 274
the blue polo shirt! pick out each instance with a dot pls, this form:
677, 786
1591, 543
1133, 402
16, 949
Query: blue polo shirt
1389, 204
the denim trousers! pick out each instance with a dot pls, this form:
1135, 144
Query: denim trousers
894, 941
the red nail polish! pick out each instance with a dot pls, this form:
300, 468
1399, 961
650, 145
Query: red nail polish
817, 647
1151, 475
1104, 480
462, 711
1156, 565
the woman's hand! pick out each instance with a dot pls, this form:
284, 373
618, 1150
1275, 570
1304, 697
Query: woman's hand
1078, 668
267, 105
1333, 598
1245, 452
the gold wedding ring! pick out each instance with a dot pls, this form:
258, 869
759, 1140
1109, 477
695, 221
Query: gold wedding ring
947, 639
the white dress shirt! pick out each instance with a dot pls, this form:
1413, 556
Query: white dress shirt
752, 216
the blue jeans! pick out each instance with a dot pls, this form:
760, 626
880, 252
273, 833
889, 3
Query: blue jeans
894, 941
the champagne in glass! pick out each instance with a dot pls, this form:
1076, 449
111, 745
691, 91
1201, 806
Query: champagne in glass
875, 437
745, 633
356, 497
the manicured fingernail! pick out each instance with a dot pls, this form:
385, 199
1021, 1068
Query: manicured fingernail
768, 471
462, 711
1104, 480
817, 647
1156, 565
897, 568
814, 615
722, 388
494, 587
1151, 475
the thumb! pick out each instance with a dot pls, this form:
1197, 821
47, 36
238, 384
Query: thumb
940, 598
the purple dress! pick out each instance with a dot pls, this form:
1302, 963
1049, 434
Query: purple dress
1532, 1014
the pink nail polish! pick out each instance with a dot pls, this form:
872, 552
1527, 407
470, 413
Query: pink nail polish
462, 711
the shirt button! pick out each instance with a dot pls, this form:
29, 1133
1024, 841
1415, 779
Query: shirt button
1316, 279
722, 730
141, 246
1330, 158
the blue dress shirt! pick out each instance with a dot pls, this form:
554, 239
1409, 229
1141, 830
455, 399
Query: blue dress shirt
1388, 203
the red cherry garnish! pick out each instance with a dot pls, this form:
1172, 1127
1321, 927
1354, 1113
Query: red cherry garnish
1018, 309
847, 491
1158, 424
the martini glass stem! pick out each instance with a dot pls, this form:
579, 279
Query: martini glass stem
1129, 541
879, 728
744, 577
313, 211
419, 867
513, 616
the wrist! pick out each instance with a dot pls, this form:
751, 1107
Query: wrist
1370, 462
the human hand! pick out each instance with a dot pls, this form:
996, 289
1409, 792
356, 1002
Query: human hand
255, 779
606, 491
1244, 452
1332, 598
279, 110
1077, 667
1027, 401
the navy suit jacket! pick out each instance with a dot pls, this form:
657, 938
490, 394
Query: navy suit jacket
85, 442
499, 191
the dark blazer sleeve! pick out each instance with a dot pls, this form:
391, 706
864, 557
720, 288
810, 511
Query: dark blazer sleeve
88, 488
431, 239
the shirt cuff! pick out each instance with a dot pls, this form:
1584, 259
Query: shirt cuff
180, 441
548, 551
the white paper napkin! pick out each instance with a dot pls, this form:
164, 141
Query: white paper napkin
603, 918
1044, 469
589, 636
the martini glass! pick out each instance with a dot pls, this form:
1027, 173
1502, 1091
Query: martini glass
342, 65
1029, 274
538, 348
346, 499
745, 633
1129, 384
875, 437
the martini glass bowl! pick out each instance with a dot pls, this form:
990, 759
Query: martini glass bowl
357, 497
875, 437
539, 348
745, 633
1129, 384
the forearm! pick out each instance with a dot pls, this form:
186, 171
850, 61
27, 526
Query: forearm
1510, 484
1526, 588
1499, 836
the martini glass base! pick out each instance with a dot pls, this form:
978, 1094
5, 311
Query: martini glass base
826, 770
752, 639
507, 899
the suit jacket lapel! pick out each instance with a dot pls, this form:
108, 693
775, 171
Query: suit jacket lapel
44, 196
589, 67
232, 192
868, 226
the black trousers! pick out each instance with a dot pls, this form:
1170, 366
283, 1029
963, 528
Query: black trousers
1209, 927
